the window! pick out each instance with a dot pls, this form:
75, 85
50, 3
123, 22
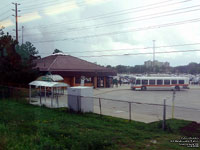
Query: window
152, 82
159, 82
144, 82
174, 81
137, 82
166, 82
88, 80
77, 80
181, 81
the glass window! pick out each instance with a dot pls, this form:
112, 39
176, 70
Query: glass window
77, 80
137, 81
152, 82
144, 82
159, 82
88, 80
181, 81
166, 82
174, 81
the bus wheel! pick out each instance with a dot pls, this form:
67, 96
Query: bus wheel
177, 88
143, 88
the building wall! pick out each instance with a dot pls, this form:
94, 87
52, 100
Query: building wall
71, 82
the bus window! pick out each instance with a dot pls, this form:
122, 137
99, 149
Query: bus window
174, 81
137, 82
181, 81
144, 82
159, 82
166, 82
152, 82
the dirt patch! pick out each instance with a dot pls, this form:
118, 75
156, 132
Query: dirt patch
191, 130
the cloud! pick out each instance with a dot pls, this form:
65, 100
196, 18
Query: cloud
94, 2
60, 8
29, 17
6, 23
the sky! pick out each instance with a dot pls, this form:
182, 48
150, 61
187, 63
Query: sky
109, 32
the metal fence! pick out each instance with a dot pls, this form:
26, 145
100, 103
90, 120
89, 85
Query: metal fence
127, 109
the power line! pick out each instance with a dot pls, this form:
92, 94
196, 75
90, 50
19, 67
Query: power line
4, 18
5, 12
43, 11
159, 52
131, 49
111, 14
49, 2
122, 21
125, 31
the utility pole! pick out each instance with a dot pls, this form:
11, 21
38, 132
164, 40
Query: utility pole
16, 19
22, 34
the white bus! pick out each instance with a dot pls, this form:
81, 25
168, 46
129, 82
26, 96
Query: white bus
144, 83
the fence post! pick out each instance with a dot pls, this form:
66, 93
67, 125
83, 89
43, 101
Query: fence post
40, 97
129, 111
100, 105
164, 115
29, 93
173, 98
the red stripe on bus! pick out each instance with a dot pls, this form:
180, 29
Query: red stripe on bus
161, 85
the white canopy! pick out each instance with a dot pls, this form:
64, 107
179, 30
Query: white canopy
48, 84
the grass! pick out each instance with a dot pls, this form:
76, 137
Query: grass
24, 127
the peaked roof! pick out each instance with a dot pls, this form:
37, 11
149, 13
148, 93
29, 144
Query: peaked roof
60, 62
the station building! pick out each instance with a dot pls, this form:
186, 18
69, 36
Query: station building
72, 69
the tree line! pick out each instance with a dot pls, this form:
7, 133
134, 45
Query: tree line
191, 68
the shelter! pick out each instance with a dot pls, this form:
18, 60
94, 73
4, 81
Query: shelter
51, 88
73, 69
51, 78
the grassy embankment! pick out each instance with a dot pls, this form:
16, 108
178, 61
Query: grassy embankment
23, 127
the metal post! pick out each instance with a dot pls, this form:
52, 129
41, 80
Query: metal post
40, 96
129, 111
57, 97
100, 105
164, 115
173, 98
45, 92
29, 93
51, 96
78, 109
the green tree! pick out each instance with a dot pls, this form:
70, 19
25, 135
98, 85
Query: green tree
57, 51
13, 67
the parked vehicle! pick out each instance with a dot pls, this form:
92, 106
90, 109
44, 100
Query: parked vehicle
144, 83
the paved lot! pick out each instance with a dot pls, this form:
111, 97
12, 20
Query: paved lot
184, 100
187, 103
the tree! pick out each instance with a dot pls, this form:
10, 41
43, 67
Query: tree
13, 67
57, 51
27, 50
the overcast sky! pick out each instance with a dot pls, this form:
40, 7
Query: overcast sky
107, 28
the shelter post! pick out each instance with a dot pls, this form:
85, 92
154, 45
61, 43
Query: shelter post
51, 96
29, 93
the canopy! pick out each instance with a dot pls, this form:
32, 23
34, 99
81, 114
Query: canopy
50, 78
48, 84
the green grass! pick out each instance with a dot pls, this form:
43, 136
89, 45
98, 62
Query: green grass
27, 127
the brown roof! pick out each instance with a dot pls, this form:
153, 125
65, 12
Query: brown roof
62, 63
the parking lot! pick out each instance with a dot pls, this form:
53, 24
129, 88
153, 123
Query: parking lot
187, 103
147, 105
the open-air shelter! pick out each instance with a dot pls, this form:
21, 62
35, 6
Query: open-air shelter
51, 88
